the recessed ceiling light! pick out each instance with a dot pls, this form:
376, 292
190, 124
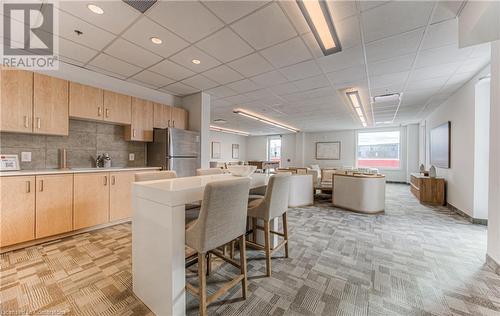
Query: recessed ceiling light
156, 40
228, 130
266, 120
196, 61
95, 9
355, 100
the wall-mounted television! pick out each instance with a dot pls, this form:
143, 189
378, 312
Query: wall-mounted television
440, 145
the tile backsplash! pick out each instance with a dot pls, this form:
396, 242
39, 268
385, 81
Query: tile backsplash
85, 141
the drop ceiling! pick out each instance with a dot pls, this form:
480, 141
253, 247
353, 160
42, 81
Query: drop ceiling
261, 56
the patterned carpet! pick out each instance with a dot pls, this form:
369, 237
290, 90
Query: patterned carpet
412, 260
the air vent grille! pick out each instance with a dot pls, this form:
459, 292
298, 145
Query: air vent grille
140, 5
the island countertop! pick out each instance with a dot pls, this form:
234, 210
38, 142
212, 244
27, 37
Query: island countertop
37, 172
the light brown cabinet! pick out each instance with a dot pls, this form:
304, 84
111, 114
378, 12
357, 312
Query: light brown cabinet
54, 205
90, 199
50, 105
141, 128
117, 108
162, 115
16, 100
179, 118
85, 102
17, 210
120, 195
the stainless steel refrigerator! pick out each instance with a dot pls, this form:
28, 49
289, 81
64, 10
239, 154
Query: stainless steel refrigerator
175, 149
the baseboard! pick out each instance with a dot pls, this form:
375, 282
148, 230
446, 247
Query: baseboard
495, 266
478, 221
397, 182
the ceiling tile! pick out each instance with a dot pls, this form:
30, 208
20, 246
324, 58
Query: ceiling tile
251, 65
348, 32
114, 65
172, 70
339, 10
446, 10
117, 14
347, 77
132, 53
92, 36
223, 74
105, 72
243, 86
434, 71
389, 80
152, 79
366, 5
185, 57
473, 65
313, 45
441, 34
221, 92
294, 14
481, 50
394, 18
284, 88
434, 83
442, 55
188, 19
225, 45
179, 88
341, 60
312, 83
75, 51
461, 78
394, 46
229, 11
141, 32
269, 79
200, 82
287, 53
301, 70
266, 27
392, 65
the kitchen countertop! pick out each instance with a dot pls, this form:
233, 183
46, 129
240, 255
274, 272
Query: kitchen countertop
36, 172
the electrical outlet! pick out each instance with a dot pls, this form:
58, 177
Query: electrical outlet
26, 156
131, 157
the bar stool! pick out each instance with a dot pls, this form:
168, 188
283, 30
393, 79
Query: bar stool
222, 219
273, 205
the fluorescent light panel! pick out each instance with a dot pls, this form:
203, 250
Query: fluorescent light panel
355, 100
320, 21
228, 130
265, 120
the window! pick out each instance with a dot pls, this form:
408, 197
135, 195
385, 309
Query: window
274, 148
378, 150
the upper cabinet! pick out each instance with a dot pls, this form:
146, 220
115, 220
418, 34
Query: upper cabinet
162, 115
16, 102
50, 105
141, 128
85, 102
117, 108
179, 118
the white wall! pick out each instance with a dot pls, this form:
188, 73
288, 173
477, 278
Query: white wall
226, 142
460, 110
256, 148
412, 149
198, 106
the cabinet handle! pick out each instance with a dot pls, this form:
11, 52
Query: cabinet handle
113, 180
105, 180
28, 186
173, 123
107, 113
38, 122
99, 111
41, 185
168, 124
133, 132
26, 121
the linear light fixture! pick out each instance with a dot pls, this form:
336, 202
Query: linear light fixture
355, 100
265, 120
320, 21
228, 130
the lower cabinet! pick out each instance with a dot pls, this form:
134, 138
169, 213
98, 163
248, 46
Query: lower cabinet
120, 195
17, 210
90, 199
54, 205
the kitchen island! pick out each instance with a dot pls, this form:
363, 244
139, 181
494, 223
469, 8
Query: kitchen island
158, 238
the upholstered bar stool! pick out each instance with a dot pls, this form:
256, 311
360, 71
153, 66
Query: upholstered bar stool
222, 219
273, 205
209, 171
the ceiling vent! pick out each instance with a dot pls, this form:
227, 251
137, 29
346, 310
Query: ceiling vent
140, 5
391, 97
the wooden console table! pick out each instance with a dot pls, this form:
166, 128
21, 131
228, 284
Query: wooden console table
428, 190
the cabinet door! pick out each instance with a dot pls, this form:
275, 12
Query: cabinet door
16, 100
54, 205
141, 128
50, 105
117, 108
120, 195
162, 116
17, 210
85, 102
179, 118
90, 199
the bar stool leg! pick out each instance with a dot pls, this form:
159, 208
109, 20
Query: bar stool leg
254, 229
209, 263
202, 295
267, 247
243, 266
285, 233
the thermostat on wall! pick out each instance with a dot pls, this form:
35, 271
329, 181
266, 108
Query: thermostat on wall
9, 162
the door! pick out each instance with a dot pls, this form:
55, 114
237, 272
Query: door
90, 199
184, 167
120, 195
141, 128
179, 118
162, 115
183, 143
17, 210
54, 205
16, 100
50, 105
117, 108
85, 102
